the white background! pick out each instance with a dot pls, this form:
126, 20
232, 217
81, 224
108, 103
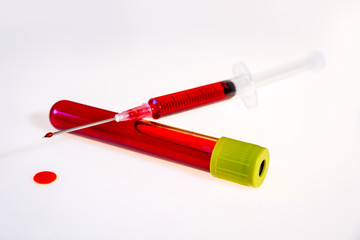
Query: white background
116, 55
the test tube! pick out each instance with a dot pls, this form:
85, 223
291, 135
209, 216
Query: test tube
225, 158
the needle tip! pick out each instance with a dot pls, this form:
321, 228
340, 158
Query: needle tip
48, 135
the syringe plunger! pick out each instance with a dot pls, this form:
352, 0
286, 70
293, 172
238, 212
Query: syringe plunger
246, 83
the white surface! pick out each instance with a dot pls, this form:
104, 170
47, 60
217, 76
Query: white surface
117, 54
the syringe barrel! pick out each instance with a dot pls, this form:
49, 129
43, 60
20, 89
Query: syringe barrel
225, 158
191, 98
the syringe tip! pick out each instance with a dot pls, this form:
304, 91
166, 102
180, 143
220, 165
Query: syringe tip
48, 135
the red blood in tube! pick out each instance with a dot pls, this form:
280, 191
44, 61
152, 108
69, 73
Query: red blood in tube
45, 177
151, 138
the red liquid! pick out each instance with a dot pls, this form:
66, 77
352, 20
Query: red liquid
169, 143
49, 135
179, 101
45, 177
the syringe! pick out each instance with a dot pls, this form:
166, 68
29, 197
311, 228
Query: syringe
243, 84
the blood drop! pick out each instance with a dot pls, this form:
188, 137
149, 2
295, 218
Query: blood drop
49, 135
45, 177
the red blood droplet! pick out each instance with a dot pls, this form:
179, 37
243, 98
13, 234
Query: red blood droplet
45, 177
49, 135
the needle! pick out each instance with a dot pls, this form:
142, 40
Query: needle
50, 134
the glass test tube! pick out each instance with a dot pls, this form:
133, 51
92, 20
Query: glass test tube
225, 158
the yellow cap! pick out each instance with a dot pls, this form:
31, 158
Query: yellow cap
239, 162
